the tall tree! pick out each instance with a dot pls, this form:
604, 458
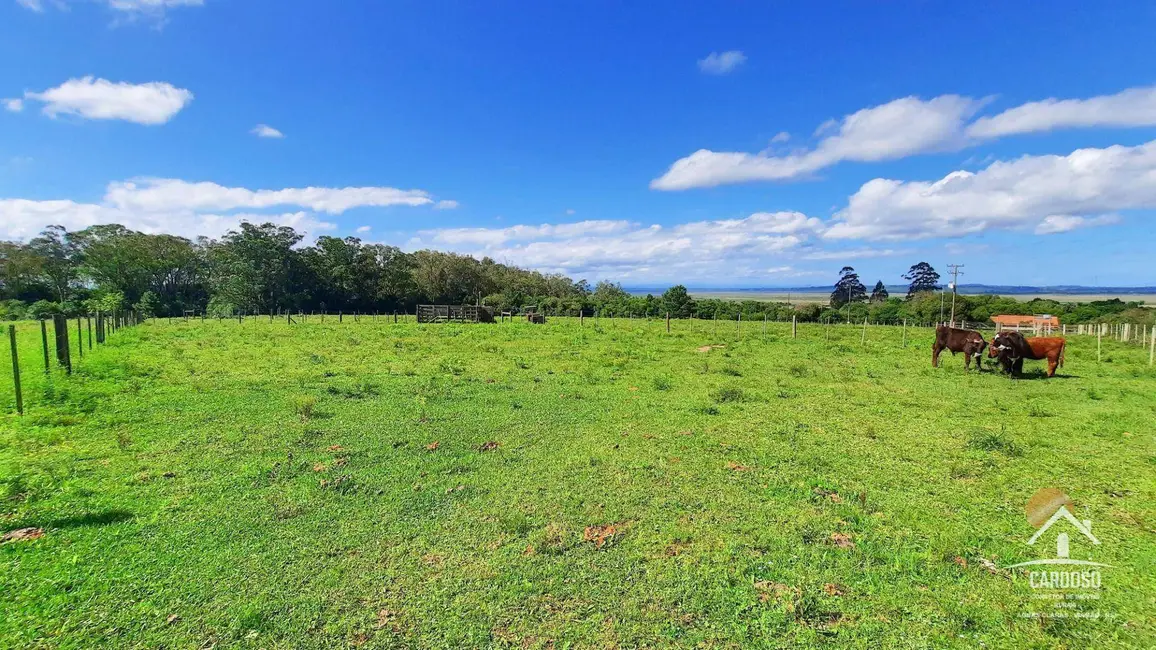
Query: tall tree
848, 288
677, 302
258, 267
59, 259
879, 293
922, 278
21, 273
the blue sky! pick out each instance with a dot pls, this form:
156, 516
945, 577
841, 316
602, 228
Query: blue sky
722, 145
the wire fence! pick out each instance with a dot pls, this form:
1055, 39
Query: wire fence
44, 353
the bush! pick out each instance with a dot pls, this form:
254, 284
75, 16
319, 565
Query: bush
303, 405
728, 394
44, 309
13, 310
148, 304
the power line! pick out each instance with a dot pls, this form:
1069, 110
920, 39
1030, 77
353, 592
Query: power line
955, 273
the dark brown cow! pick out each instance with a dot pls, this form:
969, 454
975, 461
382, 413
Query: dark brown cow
970, 343
1011, 348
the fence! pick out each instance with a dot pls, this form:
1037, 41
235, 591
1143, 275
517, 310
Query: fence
61, 347
96, 330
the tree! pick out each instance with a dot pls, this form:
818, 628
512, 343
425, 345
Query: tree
848, 288
922, 277
148, 304
258, 267
677, 302
58, 256
879, 293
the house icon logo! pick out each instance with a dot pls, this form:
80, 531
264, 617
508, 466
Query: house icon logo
1051, 509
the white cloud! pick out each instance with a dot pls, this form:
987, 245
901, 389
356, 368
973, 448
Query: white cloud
892, 130
446, 204
781, 136
266, 131
145, 6
161, 194
1063, 223
721, 62
364, 229
852, 254
14, 105
1046, 193
99, 99
906, 127
624, 249
131, 8
570, 212
191, 209
1132, 107
23, 219
496, 236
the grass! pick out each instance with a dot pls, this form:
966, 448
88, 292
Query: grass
371, 484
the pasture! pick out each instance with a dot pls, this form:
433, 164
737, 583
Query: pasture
371, 484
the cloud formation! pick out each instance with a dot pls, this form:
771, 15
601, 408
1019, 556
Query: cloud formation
266, 131
1046, 193
13, 105
1132, 107
721, 62
191, 209
131, 8
893, 130
164, 194
99, 99
906, 127
624, 249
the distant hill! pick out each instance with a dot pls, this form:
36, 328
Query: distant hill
901, 289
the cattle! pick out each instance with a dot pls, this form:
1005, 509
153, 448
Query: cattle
970, 343
1011, 348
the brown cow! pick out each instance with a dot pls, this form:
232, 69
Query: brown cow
970, 343
1012, 348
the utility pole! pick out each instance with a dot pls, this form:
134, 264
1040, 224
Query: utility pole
955, 273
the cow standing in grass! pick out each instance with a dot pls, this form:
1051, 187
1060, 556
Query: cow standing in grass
1011, 348
970, 343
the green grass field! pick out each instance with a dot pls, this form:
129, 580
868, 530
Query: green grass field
262, 485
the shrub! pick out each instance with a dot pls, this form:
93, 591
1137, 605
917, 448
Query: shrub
303, 406
728, 394
43, 309
990, 441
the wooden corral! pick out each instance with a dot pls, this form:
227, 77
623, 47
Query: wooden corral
1036, 323
460, 313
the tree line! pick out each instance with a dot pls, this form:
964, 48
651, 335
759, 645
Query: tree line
265, 268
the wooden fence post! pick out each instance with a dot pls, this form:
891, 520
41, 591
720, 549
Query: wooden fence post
88, 320
764, 326
904, 332
79, 338
795, 327
1099, 337
44, 340
60, 328
864, 339
1152, 346
16, 370
668, 322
